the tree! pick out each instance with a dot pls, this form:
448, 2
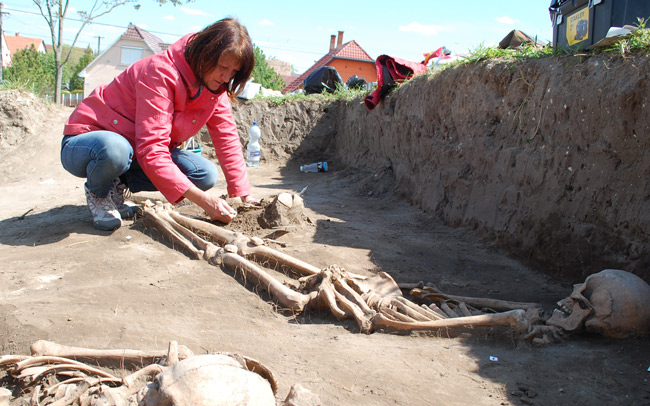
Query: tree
55, 12
77, 82
264, 74
29, 67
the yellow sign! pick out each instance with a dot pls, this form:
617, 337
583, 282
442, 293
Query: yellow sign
577, 28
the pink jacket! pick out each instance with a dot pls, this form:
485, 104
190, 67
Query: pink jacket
156, 105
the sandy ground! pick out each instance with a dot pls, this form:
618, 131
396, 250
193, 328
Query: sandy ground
64, 281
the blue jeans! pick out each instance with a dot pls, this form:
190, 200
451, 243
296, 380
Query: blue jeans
101, 156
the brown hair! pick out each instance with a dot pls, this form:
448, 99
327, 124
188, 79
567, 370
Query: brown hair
225, 37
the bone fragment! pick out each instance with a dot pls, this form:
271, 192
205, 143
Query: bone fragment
436, 310
75, 367
464, 310
355, 312
395, 315
73, 396
149, 370
209, 250
7, 360
289, 298
36, 395
327, 298
514, 318
172, 354
168, 231
425, 313
451, 313
478, 302
407, 308
242, 242
5, 395
218, 233
55, 387
281, 258
342, 286
48, 348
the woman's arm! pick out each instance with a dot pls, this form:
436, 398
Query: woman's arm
215, 207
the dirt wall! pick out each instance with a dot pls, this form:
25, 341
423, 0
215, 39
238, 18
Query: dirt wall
547, 158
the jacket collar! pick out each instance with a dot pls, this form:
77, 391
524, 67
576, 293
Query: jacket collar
176, 52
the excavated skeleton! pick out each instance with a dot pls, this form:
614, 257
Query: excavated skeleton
615, 303
54, 376
374, 303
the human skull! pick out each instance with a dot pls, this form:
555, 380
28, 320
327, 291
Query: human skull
210, 380
612, 302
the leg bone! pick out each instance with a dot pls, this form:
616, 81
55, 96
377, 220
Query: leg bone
513, 318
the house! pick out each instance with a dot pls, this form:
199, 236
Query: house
14, 43
283, 69
349, 59
133, 45
6, 55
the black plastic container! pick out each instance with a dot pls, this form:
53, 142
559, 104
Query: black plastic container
578, 24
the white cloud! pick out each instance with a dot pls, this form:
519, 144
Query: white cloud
428, 30
169, 18
267, 23
505, 20
194, 12
143, 26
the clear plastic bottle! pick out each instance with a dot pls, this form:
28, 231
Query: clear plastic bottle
253, 149
315, 167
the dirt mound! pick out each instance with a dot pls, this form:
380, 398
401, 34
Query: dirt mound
25, 130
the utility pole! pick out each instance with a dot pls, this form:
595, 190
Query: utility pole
1, 50
99, 42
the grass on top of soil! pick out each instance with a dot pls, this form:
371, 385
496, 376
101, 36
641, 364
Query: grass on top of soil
637, 42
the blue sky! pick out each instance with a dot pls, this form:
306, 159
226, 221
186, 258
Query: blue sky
299, 32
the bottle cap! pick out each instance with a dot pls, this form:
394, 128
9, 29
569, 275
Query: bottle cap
254, 122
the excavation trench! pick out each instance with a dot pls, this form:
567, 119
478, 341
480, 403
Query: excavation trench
544, 158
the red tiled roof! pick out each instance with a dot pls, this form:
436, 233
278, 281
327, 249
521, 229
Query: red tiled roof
349, 50
137, 33
16, 43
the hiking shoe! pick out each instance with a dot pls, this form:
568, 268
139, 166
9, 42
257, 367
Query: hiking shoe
118, 193
105, 215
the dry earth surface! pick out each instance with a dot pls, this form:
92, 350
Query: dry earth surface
64, 281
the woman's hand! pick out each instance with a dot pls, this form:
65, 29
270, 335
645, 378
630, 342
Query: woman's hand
215, 207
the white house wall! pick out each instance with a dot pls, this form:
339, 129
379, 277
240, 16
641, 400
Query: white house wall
6, 54
109, 65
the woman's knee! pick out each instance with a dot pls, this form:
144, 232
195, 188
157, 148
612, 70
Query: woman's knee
201, 171
206, 178
104, 149
116, 153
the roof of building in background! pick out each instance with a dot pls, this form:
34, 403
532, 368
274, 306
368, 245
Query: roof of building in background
133, 32
17, 42
350, 50
155, 43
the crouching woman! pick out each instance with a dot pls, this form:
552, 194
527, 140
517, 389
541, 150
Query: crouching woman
126, 135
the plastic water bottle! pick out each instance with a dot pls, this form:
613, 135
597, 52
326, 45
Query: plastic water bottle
315, 167
253, 149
